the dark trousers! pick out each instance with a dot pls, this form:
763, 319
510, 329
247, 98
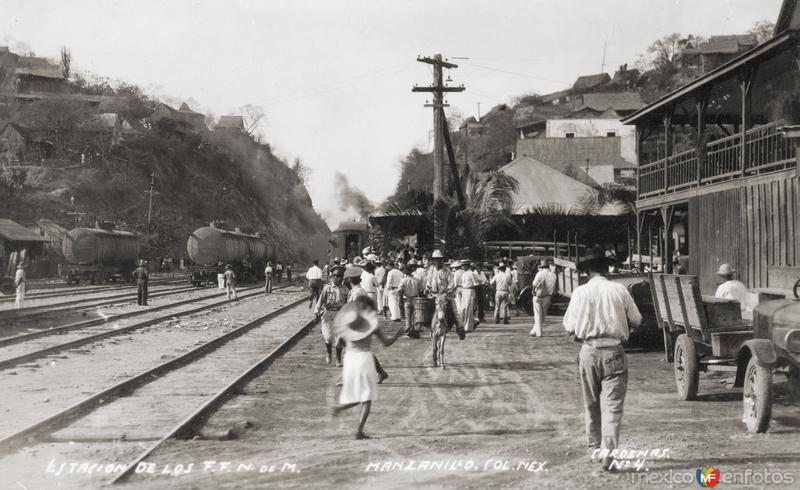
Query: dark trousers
315, 285
141, 294
480, 300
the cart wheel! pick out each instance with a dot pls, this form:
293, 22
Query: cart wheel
757, 397
687, 368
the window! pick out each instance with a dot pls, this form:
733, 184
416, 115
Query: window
611, 134
569, 135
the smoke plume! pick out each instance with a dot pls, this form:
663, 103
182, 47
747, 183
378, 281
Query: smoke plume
350, 199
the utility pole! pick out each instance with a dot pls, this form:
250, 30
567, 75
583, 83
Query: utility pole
479, 110
603, 66
150, 206
438, 90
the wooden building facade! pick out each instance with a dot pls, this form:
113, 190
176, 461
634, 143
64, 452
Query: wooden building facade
715, 163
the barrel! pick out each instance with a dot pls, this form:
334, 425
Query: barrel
423, 310
209, 245
91, 246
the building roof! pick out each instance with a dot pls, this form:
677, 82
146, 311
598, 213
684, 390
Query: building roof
543, 187
39, 67
548, 98
587, 82
731, 44
789, 17
560, 152
351, 226
619, 101
230, 122
185, 108
11, 231
531, 114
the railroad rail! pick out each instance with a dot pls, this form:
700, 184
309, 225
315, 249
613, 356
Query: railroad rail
247, 341
82, 303
42, 294
111, 331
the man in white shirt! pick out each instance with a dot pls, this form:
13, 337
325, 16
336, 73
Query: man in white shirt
502, 283
19, 282
393, 279
731, 288
314, 276
380, 274
544, 285
468, 281
598, 315
268, 276
369, 284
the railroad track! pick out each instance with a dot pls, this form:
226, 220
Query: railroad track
206, 376
82, 303
40, 294
13, 354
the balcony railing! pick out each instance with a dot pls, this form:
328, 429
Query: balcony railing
766, 150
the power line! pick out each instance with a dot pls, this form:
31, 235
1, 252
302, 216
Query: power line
518, 74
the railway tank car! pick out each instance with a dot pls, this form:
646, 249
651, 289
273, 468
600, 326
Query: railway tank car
211, 248
98, 255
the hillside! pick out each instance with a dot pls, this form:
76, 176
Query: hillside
66, 156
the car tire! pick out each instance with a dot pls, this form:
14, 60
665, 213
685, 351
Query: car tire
757, 397
687, 368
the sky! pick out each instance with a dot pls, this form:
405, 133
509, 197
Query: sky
334, 76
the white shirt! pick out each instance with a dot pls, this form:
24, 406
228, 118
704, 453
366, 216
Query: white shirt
379, 273
314, 273
733, 290
468, 279
502, 280
601, 309
393, 279
19, 277
545, 280
369, 283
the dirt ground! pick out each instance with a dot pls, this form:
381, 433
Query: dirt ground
506, 412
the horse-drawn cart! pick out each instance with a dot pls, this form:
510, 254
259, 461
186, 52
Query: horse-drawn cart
703, 333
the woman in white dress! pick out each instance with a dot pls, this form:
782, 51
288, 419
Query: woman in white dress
357, 323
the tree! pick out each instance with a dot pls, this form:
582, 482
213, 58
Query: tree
66, 62
301, 170
662, 53
763, 30
253, 116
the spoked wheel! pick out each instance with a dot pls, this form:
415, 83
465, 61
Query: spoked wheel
757, 397
687, 368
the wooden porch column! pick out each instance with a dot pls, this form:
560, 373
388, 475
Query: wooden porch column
701, 148
667, 145
667, 212
650, 244
639, 224
746, 87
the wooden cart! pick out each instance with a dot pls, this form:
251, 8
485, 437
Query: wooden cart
701, 333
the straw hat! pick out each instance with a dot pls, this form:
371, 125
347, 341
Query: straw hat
725, 270
351, 325
437, 254
353, 272
455, 264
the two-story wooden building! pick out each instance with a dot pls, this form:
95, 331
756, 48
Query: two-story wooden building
717, 176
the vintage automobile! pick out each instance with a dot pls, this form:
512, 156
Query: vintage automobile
775, 346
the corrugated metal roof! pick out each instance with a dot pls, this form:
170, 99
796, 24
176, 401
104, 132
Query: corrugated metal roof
619, 101
9, 230
230, 122
589, 81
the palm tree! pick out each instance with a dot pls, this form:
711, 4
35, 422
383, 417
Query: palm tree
594, 201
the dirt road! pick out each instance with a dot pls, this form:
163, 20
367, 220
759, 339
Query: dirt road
507, 407
505, 413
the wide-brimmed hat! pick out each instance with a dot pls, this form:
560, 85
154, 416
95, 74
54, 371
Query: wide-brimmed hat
464, 262
455, 263
372, 257
543, 264
725, 270
351, 325
353, 272
437, 254
366, 251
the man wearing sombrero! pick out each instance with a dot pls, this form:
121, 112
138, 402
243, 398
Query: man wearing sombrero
440, 281
332, 298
